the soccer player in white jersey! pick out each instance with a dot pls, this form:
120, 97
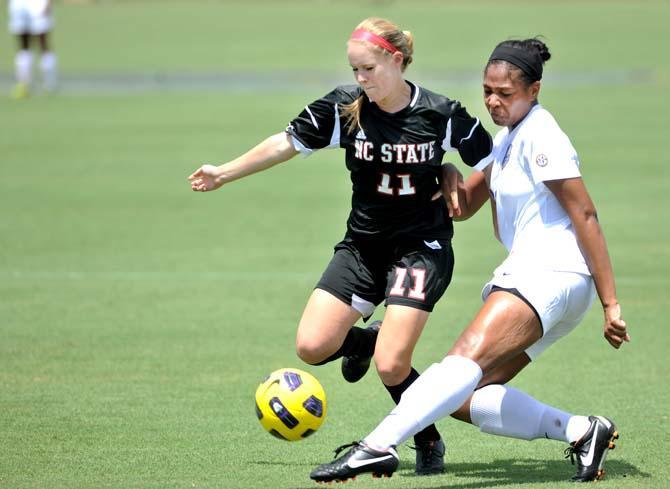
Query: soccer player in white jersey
397, 246
557, 261
30, 19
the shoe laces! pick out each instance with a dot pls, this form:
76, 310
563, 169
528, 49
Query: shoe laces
427, 451
573, 450
339, 449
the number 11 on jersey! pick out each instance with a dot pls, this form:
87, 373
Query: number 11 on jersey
402, 185
416, 292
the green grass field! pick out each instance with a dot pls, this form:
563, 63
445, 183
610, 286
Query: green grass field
137, 318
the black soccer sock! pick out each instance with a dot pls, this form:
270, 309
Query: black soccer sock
429, 433
359, 341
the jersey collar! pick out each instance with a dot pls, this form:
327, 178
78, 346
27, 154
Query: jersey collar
413, 98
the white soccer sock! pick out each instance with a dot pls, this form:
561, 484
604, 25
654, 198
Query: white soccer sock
506, 411
437, 393
23, 64
49, 67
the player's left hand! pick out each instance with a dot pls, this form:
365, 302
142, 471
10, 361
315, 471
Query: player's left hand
615, 327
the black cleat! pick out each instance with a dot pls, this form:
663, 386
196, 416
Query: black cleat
591, 449
429, 458
355, 367
359, 459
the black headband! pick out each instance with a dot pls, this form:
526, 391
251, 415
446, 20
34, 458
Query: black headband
530, 62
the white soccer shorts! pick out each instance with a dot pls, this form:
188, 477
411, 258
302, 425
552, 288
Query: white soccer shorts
561, 299
28, 16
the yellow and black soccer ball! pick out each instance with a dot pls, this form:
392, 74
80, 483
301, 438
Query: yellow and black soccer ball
290, 404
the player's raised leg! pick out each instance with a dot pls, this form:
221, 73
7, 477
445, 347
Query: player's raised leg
345, 293
325, 332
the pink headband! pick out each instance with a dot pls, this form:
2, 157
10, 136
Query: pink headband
363, 35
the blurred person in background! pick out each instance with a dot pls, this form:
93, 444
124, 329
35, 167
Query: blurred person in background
558, 261
397, 247
31, 20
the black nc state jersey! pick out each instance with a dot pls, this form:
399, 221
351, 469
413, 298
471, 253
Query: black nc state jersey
394, 159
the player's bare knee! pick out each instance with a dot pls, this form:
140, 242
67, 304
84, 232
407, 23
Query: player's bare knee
310, 357
314, 349
309, 351
392, 371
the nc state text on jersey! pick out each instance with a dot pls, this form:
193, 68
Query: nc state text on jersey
396, 153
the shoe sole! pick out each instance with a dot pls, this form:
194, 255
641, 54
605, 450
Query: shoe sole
611, 445
375, 475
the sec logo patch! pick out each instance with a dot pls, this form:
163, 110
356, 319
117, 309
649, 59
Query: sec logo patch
541, 160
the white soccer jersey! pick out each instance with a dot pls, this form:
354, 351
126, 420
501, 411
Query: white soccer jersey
532, 224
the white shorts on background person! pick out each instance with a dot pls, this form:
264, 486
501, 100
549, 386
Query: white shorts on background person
560, 299
29, 17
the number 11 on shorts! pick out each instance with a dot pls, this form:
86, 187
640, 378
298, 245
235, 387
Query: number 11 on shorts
419, 279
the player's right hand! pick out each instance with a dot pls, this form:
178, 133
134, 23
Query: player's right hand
205, 178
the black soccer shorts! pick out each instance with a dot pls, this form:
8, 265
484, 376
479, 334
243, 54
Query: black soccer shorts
414, 273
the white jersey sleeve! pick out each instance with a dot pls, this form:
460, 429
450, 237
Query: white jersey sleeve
552, 156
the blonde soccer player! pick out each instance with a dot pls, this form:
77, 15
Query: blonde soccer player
396, 248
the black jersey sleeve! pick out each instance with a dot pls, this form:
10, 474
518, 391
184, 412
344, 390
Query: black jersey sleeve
467, 135
318, 125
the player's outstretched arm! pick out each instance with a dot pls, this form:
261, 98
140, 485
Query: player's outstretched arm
275, 149
575, 199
